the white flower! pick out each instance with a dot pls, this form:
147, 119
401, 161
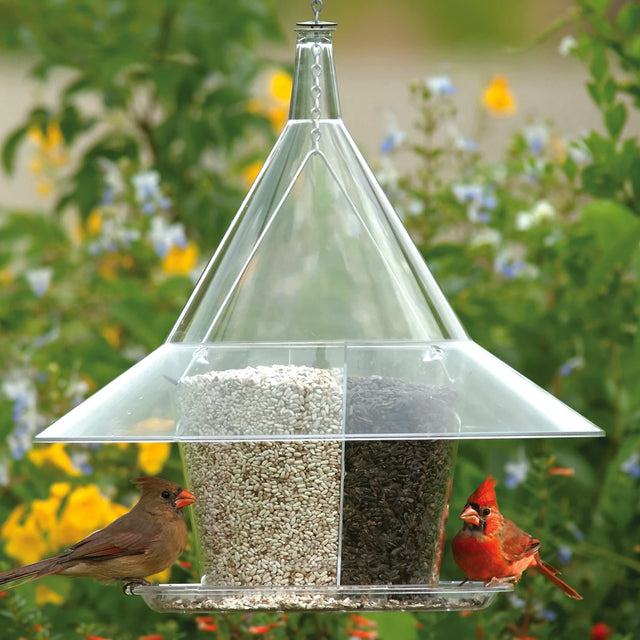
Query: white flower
579, 153
164, 236
478, 199
543, 210
567, 45
146, 185
511, 264
464, 193
39, 280
440, 85
486, 235
524, 220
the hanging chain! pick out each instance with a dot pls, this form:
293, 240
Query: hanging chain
316, 7
316, 92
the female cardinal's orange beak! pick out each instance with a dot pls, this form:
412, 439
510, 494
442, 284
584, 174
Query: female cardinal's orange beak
185, 498
470, 515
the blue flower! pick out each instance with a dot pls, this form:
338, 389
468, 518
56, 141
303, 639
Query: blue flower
577, 362
564, 553
149, 207
39, 280
440, 85
478, 198
631, 465
466, 144
393, 139
146, 185
536, 137
517, 470
576, 532
108, 195
549, 615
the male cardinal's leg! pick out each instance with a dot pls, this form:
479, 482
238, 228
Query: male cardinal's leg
127, 588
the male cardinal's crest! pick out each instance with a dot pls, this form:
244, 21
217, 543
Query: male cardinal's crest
485, 493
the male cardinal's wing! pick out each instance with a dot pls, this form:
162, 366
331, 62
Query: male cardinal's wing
516, 544
115, 540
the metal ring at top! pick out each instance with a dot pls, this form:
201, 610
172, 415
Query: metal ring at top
316, 7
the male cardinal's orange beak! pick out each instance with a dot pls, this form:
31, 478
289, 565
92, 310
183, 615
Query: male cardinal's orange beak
470, 515
185, 498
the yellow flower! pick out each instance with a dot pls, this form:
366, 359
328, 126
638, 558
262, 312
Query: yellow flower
250, 172
85, 511
25, 542
36, 136
59, 489
44, 188
44, 512
162, 577
280, 85
278, 118
113, 335
152, 456
54, 455
94, 222
45, 595
12, 521
180, 261
6, 276
498, 98
36, 165
54, 136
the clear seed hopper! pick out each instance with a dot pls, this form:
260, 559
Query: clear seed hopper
318, 382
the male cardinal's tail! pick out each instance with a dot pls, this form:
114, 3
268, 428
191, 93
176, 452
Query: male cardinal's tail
551, 574
31, 571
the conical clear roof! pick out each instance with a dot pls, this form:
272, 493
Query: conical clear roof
317, 317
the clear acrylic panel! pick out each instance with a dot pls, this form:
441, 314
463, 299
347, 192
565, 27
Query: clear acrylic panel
330, 390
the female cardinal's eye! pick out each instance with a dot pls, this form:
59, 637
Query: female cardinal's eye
165, 495
486, 511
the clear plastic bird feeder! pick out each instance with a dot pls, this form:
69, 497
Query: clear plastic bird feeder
318, 383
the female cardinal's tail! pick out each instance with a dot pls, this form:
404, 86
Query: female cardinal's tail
31, 571
551, 574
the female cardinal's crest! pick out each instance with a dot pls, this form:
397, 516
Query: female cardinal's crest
485, 494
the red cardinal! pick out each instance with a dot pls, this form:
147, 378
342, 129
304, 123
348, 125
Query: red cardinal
144, 541
493, 549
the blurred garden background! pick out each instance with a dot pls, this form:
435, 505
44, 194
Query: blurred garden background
505, 135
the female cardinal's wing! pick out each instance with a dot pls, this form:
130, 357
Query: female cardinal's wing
516, 544
120, 538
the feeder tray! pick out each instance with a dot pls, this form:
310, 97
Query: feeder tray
447, 596
318, 383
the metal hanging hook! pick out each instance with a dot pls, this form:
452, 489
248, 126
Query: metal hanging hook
316, 7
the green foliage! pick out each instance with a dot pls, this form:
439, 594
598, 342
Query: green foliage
171, 81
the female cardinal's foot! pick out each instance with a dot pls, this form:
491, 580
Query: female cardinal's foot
127, 588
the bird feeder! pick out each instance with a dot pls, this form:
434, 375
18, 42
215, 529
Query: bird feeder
318, 383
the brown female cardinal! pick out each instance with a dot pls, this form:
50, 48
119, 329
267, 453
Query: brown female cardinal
146, 540
493, 549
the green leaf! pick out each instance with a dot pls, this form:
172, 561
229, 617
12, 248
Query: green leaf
629, 19
10, 147
615, 231
599, 65
615, 118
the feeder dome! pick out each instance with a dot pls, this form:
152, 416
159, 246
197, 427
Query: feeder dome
316, 272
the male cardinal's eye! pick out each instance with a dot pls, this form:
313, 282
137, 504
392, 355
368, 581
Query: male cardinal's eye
486, 511
165, 495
